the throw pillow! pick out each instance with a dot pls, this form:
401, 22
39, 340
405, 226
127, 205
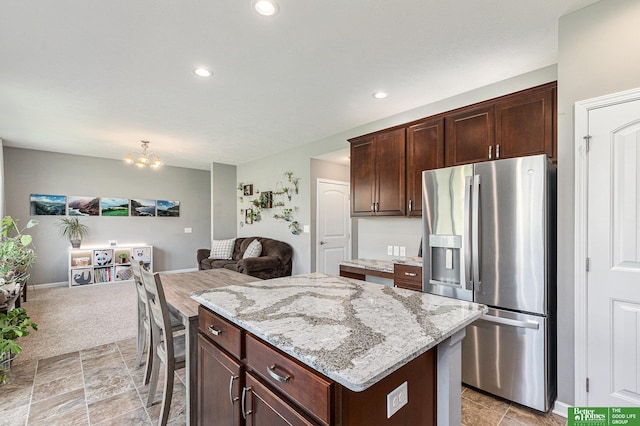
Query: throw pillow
253, 250
222, 249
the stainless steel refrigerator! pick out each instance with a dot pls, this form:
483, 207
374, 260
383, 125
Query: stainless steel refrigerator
489, 237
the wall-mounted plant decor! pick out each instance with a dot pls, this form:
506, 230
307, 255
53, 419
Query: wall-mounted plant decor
278, 199
295, 228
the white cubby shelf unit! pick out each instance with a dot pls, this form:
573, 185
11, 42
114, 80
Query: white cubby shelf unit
103, 265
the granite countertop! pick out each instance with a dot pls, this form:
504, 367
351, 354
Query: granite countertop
353, 332
382, 265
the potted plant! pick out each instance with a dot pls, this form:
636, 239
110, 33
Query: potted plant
16, 256
124, 257
72, 228
13, 325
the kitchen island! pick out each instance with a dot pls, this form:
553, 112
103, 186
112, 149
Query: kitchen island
329, 350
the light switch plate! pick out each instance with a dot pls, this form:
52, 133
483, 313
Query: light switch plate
188, 230
396, 399
390, 250
403, 251
396, 251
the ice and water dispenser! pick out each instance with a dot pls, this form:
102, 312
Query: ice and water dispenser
445, 259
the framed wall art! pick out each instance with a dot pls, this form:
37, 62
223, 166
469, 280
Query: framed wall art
166, 208
114, 206
50, 205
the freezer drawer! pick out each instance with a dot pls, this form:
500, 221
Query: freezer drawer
510, 355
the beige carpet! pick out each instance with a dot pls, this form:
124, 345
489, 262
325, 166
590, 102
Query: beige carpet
72, 319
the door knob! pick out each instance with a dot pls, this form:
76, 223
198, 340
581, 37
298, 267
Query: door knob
323, 243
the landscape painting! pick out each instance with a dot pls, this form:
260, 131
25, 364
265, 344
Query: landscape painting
45, 204
84, 206
168, 208
114, 206
140, 207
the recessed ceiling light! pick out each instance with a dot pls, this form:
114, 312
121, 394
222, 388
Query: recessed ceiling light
380, 95
202, 72
266, 7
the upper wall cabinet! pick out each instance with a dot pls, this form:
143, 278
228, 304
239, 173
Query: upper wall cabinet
512, 126
515, 125
470, 136
425, 151
525, 124
378, 174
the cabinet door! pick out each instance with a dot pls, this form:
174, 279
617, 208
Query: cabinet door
219, 386
362, 176
390, 173
425, 151
524, 125
470, 135
265, 408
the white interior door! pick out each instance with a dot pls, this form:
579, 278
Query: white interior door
613, 250
333, 233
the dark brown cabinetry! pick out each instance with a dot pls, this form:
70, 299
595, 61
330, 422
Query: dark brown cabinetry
407, 276
218, 399
266, 408
470, 136
525, 124
378, 174
514, 125
261, 386
425, 151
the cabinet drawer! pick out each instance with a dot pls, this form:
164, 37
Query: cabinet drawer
221, 331
408, 273
407, 276
304, 386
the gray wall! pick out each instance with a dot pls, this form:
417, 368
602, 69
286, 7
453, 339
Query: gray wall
39, 172
223, 206
598, 54
320, 169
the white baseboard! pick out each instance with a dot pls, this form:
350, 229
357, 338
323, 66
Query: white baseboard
561, 409
177, 271
48, 285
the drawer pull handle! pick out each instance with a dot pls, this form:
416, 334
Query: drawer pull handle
282, 379
214, 331
411, 274
245, 413
231, 398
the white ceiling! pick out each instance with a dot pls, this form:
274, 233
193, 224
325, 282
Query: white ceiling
95, 77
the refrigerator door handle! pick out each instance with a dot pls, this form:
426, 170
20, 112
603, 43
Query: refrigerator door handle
468, 278
513, 323
475, 232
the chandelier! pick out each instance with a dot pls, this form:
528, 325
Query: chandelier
144, 159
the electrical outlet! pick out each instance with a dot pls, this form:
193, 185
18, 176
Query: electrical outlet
390, 250
403, 251
396, 399
188, 230
396, 251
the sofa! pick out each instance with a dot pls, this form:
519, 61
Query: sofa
274, 261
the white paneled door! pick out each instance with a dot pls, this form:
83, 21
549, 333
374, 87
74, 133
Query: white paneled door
333, 234
613, 250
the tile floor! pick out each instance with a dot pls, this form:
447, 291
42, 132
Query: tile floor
479, 409
101, 386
